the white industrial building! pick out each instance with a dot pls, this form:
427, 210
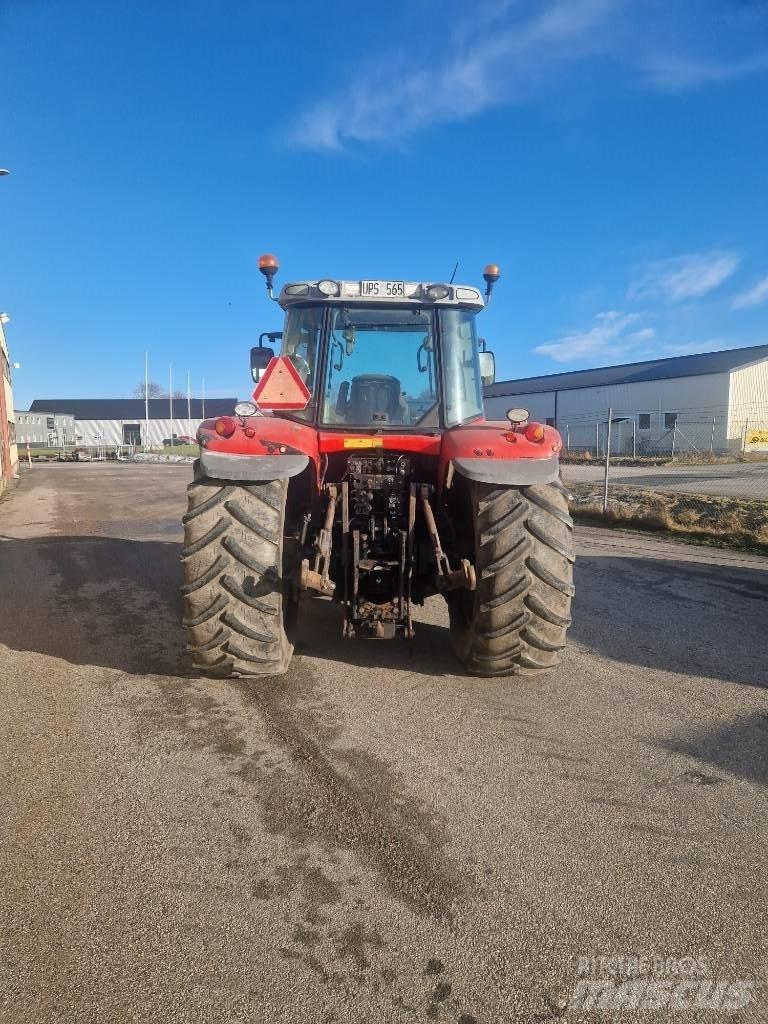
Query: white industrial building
112, 421
44, 429
716, 401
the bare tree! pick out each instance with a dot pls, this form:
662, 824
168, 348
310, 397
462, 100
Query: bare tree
153, 390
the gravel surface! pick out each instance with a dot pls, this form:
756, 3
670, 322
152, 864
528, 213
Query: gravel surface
373, 837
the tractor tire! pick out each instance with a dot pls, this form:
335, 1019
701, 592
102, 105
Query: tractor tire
515, 621
236, 600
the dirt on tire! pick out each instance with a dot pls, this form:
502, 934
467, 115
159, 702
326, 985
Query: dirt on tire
233, 588
517, 618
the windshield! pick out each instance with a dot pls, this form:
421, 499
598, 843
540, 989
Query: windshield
381, 368
461, 369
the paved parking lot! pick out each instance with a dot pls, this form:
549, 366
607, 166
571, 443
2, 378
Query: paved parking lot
373, 837
730, 480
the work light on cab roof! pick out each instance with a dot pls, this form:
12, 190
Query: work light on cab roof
364, 470
379, 290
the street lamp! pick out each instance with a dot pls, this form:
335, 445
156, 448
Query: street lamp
4, 170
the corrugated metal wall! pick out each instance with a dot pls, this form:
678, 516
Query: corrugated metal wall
109, 432
749, 407
700, 403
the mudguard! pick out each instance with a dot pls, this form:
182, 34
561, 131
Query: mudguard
492, 453
261, 448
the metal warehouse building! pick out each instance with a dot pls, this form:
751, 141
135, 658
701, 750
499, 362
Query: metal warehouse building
108, 421
716, 401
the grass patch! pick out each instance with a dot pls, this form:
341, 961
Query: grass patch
682, 459
703, 519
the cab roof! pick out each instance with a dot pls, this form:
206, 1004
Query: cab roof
386, 293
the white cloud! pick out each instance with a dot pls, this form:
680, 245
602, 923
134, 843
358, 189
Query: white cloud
391, 101
754, 296
675, 73
612, 336
514, 52
684, 277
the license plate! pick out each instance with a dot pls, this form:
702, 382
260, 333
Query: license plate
363, 442
382, 289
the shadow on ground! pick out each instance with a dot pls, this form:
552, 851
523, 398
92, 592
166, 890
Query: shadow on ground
677, 616
739, 747
115, 603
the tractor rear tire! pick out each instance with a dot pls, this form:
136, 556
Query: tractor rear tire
236, 599
516, 619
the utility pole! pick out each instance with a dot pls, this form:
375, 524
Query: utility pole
203, 399
170, 395
189, 406
607, 460
146, 399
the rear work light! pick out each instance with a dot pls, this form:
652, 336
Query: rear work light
225, 426
534, 432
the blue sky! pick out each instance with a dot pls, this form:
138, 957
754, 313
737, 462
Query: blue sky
611, 156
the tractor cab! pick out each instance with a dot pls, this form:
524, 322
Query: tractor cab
383, 355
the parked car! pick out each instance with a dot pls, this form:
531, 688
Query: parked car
177, 439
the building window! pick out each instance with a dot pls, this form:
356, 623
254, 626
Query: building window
670, 419
643, 421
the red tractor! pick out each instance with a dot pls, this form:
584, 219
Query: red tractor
365, 470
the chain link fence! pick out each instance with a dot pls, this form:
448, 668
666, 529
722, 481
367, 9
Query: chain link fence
693, 472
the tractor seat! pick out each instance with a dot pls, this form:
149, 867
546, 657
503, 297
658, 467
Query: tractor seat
376, 398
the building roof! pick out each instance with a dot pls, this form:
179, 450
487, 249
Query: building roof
632, 373
133, 408
40, 412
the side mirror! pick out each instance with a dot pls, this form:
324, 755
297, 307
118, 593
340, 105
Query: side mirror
487, 368
261, 356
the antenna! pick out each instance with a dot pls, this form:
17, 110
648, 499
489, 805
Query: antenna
454, 272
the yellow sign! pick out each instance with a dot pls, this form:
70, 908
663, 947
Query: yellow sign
363, 442
757, 437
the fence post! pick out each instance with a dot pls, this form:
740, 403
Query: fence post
634, 438
712, 437
674, 438
607, 460
744, 441
597, 440
567, 438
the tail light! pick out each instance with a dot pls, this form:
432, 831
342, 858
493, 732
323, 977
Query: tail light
225, 426
534, 433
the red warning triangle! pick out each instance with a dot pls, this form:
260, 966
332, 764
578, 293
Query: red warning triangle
281, 387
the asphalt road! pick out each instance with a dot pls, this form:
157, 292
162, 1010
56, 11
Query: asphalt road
733, 480
373, 837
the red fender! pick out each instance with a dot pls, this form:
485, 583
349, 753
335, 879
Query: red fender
259, 448
496, 453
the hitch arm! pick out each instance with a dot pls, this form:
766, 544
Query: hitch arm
317, 578
447, 578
